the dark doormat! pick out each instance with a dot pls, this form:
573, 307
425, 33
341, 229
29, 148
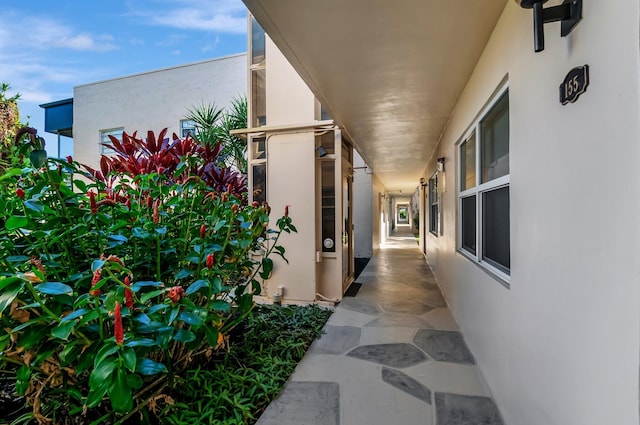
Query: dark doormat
359, 265
353, 289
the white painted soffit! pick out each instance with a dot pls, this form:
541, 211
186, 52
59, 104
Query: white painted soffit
389, 71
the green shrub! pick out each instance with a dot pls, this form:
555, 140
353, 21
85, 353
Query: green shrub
110, 288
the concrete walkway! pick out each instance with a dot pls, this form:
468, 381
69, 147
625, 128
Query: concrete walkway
391, 355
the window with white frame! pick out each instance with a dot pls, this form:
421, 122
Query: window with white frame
484, 234
258, 169
187, 127
104, 139
258, 72
434, 205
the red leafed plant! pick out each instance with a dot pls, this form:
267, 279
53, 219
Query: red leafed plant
177, 159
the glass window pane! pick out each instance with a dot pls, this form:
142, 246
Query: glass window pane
433, 205
104, 139
258, 97
324, 114
495, 228
187, 127
328, 181
468, 163
259, 180
259, 148
495, 141
257, 42
469, 224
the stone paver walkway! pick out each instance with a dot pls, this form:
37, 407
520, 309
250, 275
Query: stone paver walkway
392, 355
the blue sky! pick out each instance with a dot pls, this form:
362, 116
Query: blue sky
49, 46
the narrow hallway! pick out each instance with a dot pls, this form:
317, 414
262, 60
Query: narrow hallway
392, 354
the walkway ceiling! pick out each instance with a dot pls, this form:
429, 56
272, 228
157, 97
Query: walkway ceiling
389, 71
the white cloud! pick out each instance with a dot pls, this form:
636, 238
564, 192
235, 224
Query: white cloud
224, 16
45, 33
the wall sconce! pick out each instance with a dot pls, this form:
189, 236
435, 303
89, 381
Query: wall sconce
423, 182
569, 13
441, 164
321, 151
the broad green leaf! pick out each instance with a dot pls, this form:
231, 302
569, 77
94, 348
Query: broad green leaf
190, 318
135, 381
96, 394
149, 367
118, 238
9, 293
184, 336
196, 286
108, 349
142, 318
183, 273
63, 330
161, 231
152, 294
69, 352
34, 205
15, 222
211, 334
74, 315
17, 258
129, 358
102, 372
175, 310
11, 173
97, 265
138, 285
140, 342
220, 305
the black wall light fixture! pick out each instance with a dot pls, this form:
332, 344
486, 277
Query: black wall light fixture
569, 13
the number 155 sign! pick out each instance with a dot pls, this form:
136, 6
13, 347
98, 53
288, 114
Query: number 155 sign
574, 84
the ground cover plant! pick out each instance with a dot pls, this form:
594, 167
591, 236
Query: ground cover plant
116, 282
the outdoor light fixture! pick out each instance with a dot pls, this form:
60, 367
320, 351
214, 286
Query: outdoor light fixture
441, 164
569, 13
321, 151
423, 182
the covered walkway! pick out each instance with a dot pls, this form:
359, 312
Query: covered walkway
391, 355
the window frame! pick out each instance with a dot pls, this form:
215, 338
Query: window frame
256, 162
434, 202
255, 69
192, 129
104, 134
502, 273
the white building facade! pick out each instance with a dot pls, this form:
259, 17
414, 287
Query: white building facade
151, 101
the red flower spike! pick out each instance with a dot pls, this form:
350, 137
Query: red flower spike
203, 231
234, 208
210, 261
118, 330
20, 193
69, 159
92, 202
149, 202
255, 204
224, 197
128, 293
286, 210
97, 276
176, 293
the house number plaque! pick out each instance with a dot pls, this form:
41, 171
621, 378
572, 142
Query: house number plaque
574, 84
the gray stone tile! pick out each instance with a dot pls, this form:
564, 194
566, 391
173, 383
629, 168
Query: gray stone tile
407, 306
398, 320
455, 409
394, 355
360, 305
446, 346
304, 403
336, 340
407, 384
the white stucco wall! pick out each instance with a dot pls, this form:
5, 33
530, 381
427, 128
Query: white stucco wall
561, 345
152, 100
362, 208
